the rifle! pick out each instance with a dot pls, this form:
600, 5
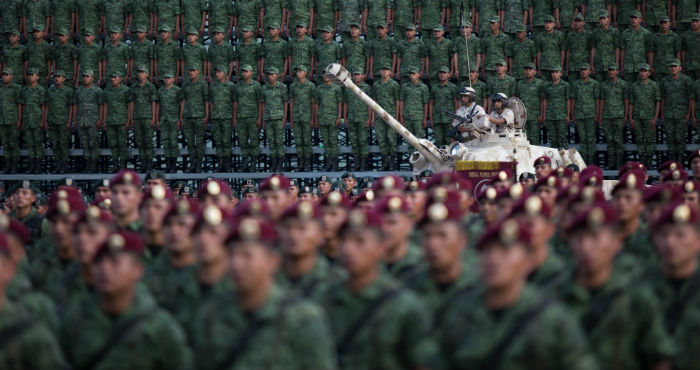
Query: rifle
463, 120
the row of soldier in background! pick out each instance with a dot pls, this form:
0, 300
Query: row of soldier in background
548, 272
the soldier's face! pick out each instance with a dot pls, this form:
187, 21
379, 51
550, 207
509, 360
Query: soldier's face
103, 192
301, 74
355, 31
386, 73
556, 75
643, 74
489, 211
548, 194
692, 200
396, 228
604, 21
177, 232
381, 32
664, 26
675, 70
612, 73
13, 38
305, 196
301, 31
548, 25
272, 77
87, 80
251, 264
416, 203
218, 37
501, 69
324, 186
578, 24
413, 76
89, 39
628, 203
115, 36
117, 274
410, 34
498, 104
527, 182
695, 167
125, 199
247, 74
438, 34
300, 238
220, 76
677, 245
504, 265
595, 250
443, 76
62, 232
152, 213
274, 32
87, 238
585, 72
6, 78
530, 73
164, 35
193, 73
520, 35
141, 35
635, 21
37, 34
349, 183
247, 35
493, 26
168, 81
357, 77
333, 218
63, 39
360, 251
540, 228
192, 38
24, 197
473, 75
209, 243
694, 24
277, 201
466, 31
442, 244
116, 80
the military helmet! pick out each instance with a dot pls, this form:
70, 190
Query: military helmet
466, 90
499, 96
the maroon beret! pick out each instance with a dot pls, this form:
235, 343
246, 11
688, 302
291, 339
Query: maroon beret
213, 187
275, 182
388, 182
487, 193
444, 178
564, 172
336, 199
593, 217
514, 192
464, 185
414, 186
252, 230
591, 175
252, 208
531, 205
694, 154
585, 195
9, 225
184, 206
121, 242
543, 160
631, 166
675, 175
670, 166
212, 216
505, 232
93, 214
102, 202
443, 195
662, 193
676, 213
436, 211
392, 204
158, 192
691, 186
362, 219
366, 196
550, 180
303, 210
64, 201
502, 175
126, 177
631, 180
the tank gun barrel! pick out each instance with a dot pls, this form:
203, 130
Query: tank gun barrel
340, 76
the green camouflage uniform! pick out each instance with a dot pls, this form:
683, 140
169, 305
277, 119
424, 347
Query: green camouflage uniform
550, 46
487, 9
142, 53
551, 340
191, 11
395, 336
194, 55
11, 13
36, 12
60, 101
326, 54
32, 345
356, 54
302, 51
221, 55
169, 103
407, 266
325, 11
383, 52
62, 11
196, 96
276, 54
115, 12
143, 96
578, 47
15, 58
624, 325
246, 12
292, 334
156, 341
665, 47
655, 9
613, 96
312, 285
635, 44
480, 88
458, 8
555, 117
350, 12
302, 95
167, 11
411, 55
530, 92
403, 16
141, 12
38, 56
494, 48
220, 13
10, 100
505, 85
299, 12
550, 275
90, 57
624, 8
691, 65
33, 99
273, 11
677, 95
377, 14
249, 54
48, 274
275, 98
89, 13
356, 120
222, 95
460, 48
327, 98
442, 96
605, 42
413, 97
166, 57
430, 15
643, 96
541, 9
679, 304
248, 96
116, 58
513, 14
439, 55
64, 57
521, 52
585, 95
386, 94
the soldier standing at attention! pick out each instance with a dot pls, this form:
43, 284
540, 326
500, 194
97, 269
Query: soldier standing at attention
275, 108
248, 119
65, 56
167, 55
142, 50
439, 52
521, 50
126, 197
249, 52
494, 45
414, 98
276, 52
500, 82
382, 51
195, 54
39, 55
551, 48
302, 93
356, 51
690, 55
370, 302
11, 103
462, 54
117, 55
524, 326
169, 110
612, 114
677, 100
117, 119
222, 95
635, 43
34, 124
605, 44
327, 51
194, 116
262, 325
578, 47
302, 48
60, 113
402, 258
144, 117
444, 95
90, 57
273, 12
585, 95
88, 115
247, 13
124, 311
358, 118
220, 15
665, 45
404, 16
456, 12
676, 241
386, 93
28, 334
556, 109
529, 90
193, 16
14, 55
624, 325
329, 110
644, 111
220, 53
411, 53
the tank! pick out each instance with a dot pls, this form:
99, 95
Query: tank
488, 145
